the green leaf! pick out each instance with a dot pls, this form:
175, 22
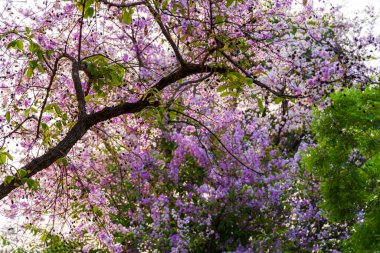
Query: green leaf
8, 179
222, 88
230, 2
294, 29
89, 12
40, 68
16, 44
44, 237
32, 184
33, 64
308, 54
63, 161
44, 126
244, 188
278, 100
27, 112
3, 158
312, 22
29, 72
21, 173
232, 194
39, 55
165, 4
185, 36
249, 82
20, 45
9, 156
57, 109
219, 19
34, 47
88, 98
8, 116
260, 104
228, 93
127, 16
5, 242
235, 76
48, 107
59, 125
49, 53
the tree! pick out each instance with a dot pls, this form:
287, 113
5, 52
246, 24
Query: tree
170, 125
347, 160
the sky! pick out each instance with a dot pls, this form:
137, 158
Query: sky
349, 8
353, 5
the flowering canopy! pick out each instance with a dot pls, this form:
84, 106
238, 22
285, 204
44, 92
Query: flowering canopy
170, 125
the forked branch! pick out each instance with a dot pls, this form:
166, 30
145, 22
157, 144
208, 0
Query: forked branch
85, 122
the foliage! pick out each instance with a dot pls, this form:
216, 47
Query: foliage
346, 160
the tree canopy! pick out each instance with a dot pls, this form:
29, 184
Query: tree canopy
179, 125
347, 161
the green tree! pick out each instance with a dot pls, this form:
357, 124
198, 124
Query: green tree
346, 160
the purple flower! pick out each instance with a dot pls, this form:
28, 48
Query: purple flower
125, 58
174, 239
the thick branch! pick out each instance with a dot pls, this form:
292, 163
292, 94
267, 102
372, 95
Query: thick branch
123, 5
78, 86
49, 157
78, 89
187, 70
87, 121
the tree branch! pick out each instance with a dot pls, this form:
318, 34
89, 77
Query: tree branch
81, 30
123, 5
16, 128
166, 34
85, 122
54, 71
78, 85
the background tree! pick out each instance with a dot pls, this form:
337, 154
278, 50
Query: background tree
346, 160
